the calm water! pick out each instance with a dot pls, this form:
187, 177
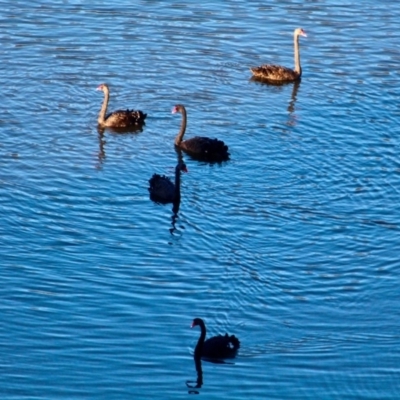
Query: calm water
292, 245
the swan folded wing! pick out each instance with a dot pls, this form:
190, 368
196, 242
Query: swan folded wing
207, 147
221, 346
138, 115
234, 341
125, 118
274, 73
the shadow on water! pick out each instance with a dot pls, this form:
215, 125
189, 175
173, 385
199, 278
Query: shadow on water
166, 185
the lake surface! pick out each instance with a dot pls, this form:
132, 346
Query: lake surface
292, 245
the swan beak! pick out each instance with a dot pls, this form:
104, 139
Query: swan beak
174, 110
303, 34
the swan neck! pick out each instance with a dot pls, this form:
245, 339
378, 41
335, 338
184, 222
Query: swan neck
297, 66
199, 347
179, 137
104, 106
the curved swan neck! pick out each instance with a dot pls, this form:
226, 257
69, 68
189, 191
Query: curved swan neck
297, 66
199, 347
104, 106
179, 136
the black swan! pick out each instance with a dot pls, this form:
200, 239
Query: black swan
217, 347
120, 118
202, 148
163, 190
277, 73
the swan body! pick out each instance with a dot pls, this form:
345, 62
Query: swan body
277, 73
163, 190
217, 347
120, 118
199, 147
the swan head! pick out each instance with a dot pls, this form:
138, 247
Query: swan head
103, 87
177, 108
300, 32
197, 322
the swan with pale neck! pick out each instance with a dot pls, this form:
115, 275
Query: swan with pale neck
278, 73
200, 147
120, 118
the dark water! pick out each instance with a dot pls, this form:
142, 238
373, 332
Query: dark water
292, 245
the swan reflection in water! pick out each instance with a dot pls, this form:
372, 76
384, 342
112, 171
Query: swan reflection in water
192, 385
164, 191
293, 98
101, 154
291, 107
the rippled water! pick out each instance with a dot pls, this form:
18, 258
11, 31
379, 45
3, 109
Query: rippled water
291, 245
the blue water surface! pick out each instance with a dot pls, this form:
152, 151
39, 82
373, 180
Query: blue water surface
291, 245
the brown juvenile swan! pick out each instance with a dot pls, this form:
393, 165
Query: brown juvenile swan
163, 190
120, 118
217, 347
278, 73
199, 147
